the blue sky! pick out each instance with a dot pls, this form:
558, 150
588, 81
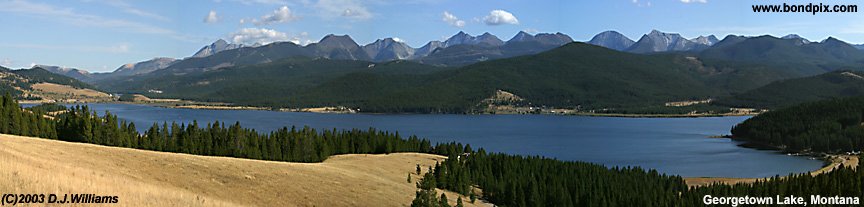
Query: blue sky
101, 35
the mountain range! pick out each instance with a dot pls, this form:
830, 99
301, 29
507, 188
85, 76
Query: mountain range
547, 69
458, 50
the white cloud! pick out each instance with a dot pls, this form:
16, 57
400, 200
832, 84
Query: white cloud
250, 36
70, 17
643, 4
121, 48
117, 48
128, 8
452, 20
281, 15
211, 17
349, 9
499, 17
694, 1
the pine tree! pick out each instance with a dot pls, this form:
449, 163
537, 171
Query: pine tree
442, 202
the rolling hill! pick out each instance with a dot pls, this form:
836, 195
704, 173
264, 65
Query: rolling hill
792, 54
38, 84
789, 92
146, 178
827, 126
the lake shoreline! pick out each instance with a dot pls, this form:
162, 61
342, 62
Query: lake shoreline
834, 162
345, 110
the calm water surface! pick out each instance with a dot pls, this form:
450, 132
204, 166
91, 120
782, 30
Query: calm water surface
670, 145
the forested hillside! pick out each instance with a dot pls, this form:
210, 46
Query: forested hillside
576, 75
790, 54
18, 82
39, 75
837, 84
829, 126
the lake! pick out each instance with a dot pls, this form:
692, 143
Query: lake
671, 145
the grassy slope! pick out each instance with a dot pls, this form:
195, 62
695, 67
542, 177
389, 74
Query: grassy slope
145, 178
39, 75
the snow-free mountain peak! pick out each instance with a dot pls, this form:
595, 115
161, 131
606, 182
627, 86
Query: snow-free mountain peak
657, 41
216, 47
706, 40
612, 40
800, 39
144, 67
388, 49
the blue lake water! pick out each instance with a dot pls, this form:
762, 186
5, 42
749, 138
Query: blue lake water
670, 145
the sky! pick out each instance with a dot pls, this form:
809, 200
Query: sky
102, 35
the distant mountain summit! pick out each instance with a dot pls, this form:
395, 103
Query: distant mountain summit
144, 67
487, 47
427, 49
216, 47
338, 47
487, 39
657, 41
388, 49
800, 39
709, 40
69, 72
800, 59
612, 40
462, 38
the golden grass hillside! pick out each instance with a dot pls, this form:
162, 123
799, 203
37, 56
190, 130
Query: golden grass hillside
65, 93
145, 178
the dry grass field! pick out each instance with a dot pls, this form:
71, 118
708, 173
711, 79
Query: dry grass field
64, 93
145, 178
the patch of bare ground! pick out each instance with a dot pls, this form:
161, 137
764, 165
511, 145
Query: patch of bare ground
836, 162
146, 178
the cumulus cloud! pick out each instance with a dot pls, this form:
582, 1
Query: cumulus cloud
499, 17
281, 15
452, 20
251, 36
349, 9
694, 1
211, 17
